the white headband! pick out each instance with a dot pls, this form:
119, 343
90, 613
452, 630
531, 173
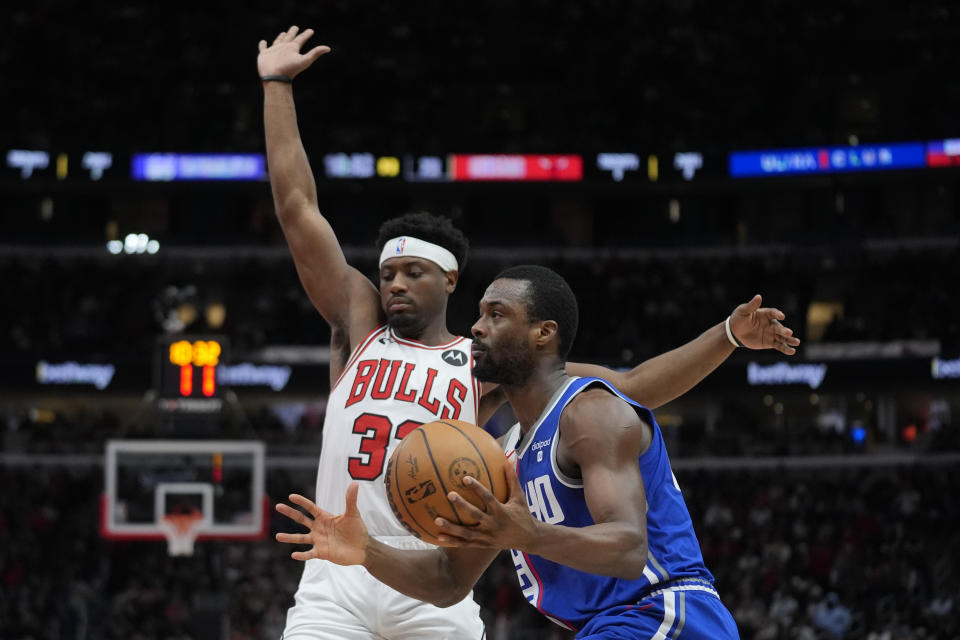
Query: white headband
416, 248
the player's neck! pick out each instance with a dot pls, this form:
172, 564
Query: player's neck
530, 398
432, 335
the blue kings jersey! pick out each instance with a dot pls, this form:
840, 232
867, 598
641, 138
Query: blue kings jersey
570, 597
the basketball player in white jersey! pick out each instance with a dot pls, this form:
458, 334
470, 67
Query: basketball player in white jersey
394, 365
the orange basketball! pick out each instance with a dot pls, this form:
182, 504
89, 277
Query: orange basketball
430, 462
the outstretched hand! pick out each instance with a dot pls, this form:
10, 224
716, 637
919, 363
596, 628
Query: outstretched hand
283, 57
340, 539
500, 525
760, 328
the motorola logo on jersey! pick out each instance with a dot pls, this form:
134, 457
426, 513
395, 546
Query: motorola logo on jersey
455, 357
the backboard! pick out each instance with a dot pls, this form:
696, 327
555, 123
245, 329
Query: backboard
168, 489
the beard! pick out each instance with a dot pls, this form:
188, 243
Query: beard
401, 321
405, 324
511, 366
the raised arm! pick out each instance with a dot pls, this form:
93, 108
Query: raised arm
442, 577
601, 439
663, 378
343, 296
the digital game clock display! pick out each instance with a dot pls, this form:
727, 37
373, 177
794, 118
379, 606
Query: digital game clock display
187, 366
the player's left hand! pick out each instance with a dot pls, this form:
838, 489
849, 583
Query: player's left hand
759, 327
283, 57
340, 539
500, 525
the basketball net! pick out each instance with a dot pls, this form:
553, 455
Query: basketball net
181, 530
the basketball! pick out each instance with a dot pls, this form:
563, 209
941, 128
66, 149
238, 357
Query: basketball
431, 461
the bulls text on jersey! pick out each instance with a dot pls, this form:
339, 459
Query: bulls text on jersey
390, 379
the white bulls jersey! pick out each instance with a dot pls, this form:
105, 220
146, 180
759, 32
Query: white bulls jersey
389, 387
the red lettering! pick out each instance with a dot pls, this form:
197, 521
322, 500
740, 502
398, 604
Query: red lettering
405, 428
402, 393
456, 389
361, 382
433, 406
379, 390
373, 445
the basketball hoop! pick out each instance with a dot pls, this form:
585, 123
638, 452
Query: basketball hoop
181, 530
185, 508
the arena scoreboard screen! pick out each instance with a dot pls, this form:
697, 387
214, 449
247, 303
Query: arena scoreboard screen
186, 372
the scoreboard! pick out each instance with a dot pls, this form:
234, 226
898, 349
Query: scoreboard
186, 372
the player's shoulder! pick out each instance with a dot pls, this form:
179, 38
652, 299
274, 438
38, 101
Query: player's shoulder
598, 415
598, 405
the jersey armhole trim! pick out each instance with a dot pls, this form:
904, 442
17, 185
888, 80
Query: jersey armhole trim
356, 353
642, 412
565, 480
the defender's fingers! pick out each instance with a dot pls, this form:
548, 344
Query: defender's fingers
262, 45
318, 51
774, 313
353, 489
294, 538
782, 345
782, 331
303, 556
293, 514
771, 314
303, 36
307, 504
754, 303
292, 31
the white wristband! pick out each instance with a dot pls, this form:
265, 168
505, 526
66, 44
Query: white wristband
733, 340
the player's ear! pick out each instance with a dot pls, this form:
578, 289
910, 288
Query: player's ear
546, 333
452, 277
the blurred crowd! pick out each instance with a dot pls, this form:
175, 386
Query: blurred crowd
668, 74
649, 302
856, 553
747, 426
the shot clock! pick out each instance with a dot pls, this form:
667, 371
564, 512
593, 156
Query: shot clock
186, 372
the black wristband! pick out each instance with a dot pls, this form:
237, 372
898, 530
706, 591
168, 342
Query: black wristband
284, 79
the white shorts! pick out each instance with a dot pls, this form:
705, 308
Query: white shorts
347, 603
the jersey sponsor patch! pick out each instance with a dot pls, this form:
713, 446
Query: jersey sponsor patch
455, 357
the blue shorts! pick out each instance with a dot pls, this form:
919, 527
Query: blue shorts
688, 612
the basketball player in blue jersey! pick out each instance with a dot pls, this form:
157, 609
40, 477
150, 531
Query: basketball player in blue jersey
395, 365
599, 531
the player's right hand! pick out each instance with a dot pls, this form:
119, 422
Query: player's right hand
340, 539
283, 57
